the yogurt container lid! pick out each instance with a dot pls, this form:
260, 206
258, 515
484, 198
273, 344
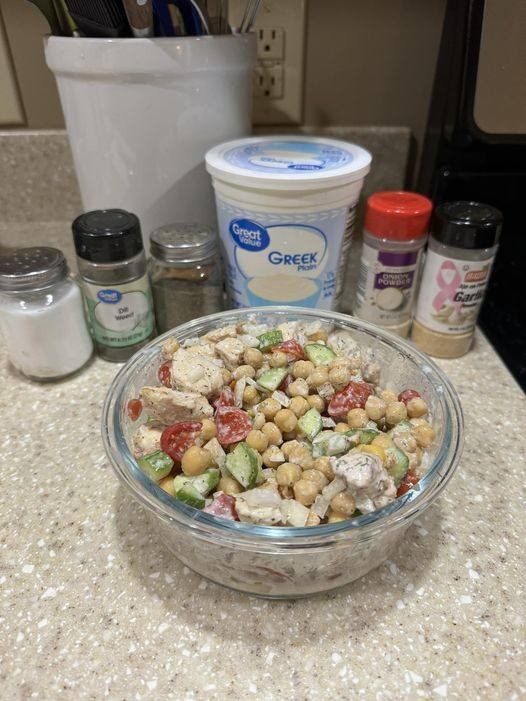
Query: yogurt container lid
288, 162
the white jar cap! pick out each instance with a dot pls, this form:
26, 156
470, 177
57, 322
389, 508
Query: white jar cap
288, 162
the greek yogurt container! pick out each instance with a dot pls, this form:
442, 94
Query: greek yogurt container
286, 208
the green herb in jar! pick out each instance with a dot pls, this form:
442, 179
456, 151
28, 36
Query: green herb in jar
185, 274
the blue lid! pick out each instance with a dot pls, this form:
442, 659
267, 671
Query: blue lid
287, 160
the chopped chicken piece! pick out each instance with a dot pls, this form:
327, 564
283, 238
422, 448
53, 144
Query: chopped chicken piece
367, 480
193, 372
202, 349
288, 329
169, 406
294, 513
146, 440
169, 347
231, 351
219, 334
260, 506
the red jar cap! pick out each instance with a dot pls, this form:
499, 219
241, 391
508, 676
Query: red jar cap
398, 215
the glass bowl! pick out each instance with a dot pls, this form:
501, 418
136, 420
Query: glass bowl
286, 562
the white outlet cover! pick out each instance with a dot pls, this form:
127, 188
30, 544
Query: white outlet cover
289, 16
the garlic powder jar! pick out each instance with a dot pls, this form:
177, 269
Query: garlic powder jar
41, 314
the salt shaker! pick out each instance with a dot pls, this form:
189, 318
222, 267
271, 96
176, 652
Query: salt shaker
41, 314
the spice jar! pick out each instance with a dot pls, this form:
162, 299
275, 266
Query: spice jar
462, 246
395, 232
115, 283
185, 272
41, 314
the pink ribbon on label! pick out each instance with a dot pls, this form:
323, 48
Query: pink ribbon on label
447, 289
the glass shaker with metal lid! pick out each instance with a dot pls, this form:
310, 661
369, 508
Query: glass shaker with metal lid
41, 314
185, 274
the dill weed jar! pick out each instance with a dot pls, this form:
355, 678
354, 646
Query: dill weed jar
115, 284
185, 274
462, 246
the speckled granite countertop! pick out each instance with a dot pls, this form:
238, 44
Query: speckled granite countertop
92, 605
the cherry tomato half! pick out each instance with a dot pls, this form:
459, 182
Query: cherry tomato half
134, 409
177, 438
164, 374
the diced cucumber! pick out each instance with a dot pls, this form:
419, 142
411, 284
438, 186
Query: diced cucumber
330, 443
319, 354
400, 464
243, 465
206, 482
271, 379
180, 481
190, 495
310, 423
401, 426
269, 339
156, 465
362, 435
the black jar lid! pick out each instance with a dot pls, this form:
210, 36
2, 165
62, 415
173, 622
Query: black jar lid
107, 235
32, 268
464, 224
183, 243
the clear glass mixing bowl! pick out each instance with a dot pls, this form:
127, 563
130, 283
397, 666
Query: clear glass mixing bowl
279, 562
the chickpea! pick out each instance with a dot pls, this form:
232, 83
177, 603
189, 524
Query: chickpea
405, 441
278, 359
285, 420
312, 519
196, 460
288, 447
227, 376
298, 388
243, 371
229, 485
375, 408
335, 516
302, 368
344, 504
382, 440
388, 396
288, 474
273, 433
341, 427
323, 464
373, 450
257, 440
320, 335
299, 406
253, 357
317, 477
269, 407
424, 435
357, 418
340, 376
305, 491
208, 430
318, 377
395, 412
301, 455
259, 420
251, 396
340, 361
272, 457
316, 402
416, 408
167, 483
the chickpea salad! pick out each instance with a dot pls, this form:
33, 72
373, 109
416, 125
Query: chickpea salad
283, 426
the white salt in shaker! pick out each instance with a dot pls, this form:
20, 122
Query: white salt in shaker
41, 314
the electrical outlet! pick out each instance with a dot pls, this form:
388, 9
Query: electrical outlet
271, 43
268, 81
278, 80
